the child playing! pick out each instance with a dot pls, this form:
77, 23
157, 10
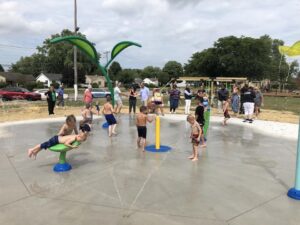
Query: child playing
66, 140
195, 136
87, 115
98, 108
68, 127
199, 116
225, 111
141, 121
107, 111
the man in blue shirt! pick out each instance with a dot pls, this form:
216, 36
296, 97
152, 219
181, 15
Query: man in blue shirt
60, 96
144, 93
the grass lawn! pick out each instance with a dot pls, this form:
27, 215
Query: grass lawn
282, 104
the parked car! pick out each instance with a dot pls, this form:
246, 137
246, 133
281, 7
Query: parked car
44, 97
11, 93
99, 93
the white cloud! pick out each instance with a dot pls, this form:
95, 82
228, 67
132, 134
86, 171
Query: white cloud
167, 29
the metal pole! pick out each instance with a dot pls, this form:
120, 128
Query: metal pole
75, 53
295, 192
157, 133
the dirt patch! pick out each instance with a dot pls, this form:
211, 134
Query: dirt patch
27, 111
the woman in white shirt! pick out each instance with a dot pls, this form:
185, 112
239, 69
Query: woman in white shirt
117, 97
188, 98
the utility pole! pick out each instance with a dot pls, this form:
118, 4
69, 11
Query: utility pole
75, 53
106, 55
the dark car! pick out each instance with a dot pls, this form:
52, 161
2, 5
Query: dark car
99, 93
11, 93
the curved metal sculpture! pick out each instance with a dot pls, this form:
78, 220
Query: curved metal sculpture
88, 48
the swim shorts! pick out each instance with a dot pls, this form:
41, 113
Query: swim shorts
142, 131
51, 142
110, 119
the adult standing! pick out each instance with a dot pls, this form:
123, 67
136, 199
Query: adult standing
118, 99
132, 100
51, 99
88, 96
158, 101
174, 98
188, 98
235, 100
222, 96
60, 96
144, 93
249, 96
258, 101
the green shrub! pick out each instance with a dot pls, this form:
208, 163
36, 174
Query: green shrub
3, 84
39, 85
30, 86
95, 85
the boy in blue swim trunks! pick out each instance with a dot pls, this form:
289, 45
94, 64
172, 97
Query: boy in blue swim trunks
66, 140
107, 111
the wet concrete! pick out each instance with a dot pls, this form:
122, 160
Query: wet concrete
241, 178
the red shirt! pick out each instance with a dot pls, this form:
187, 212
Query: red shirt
87, 97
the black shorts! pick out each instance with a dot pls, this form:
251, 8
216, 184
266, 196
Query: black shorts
142, 131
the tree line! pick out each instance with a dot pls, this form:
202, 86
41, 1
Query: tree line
254, 58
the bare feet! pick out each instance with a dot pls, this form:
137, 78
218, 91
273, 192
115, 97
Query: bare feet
191, 157
203, 146
194, 159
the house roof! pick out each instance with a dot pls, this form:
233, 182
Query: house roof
94, 77
17, 77
52, 76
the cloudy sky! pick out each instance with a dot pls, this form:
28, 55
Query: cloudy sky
167, 29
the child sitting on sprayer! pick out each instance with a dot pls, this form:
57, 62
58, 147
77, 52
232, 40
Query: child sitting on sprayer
225, 111
87, 115
69, 126
141, 122
66, 140
107, 111
195, 136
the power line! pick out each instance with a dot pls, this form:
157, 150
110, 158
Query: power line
14, 46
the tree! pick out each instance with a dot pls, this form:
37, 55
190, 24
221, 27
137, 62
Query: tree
114, 70
56, 58
150, 72
173, 69
163, 78
1, 68
255, 58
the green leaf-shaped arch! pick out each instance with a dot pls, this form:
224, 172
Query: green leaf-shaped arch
81, 43
119, 48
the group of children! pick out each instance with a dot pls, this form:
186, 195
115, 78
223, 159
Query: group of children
65, 136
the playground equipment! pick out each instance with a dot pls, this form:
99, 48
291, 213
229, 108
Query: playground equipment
291, 51
88, 48
295, 192
62, 165
157, 147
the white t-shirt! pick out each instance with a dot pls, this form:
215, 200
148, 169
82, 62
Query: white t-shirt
117, 92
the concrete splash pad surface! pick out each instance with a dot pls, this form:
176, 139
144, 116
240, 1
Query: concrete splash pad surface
241, 178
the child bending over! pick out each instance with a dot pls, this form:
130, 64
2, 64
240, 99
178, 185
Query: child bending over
69, 126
